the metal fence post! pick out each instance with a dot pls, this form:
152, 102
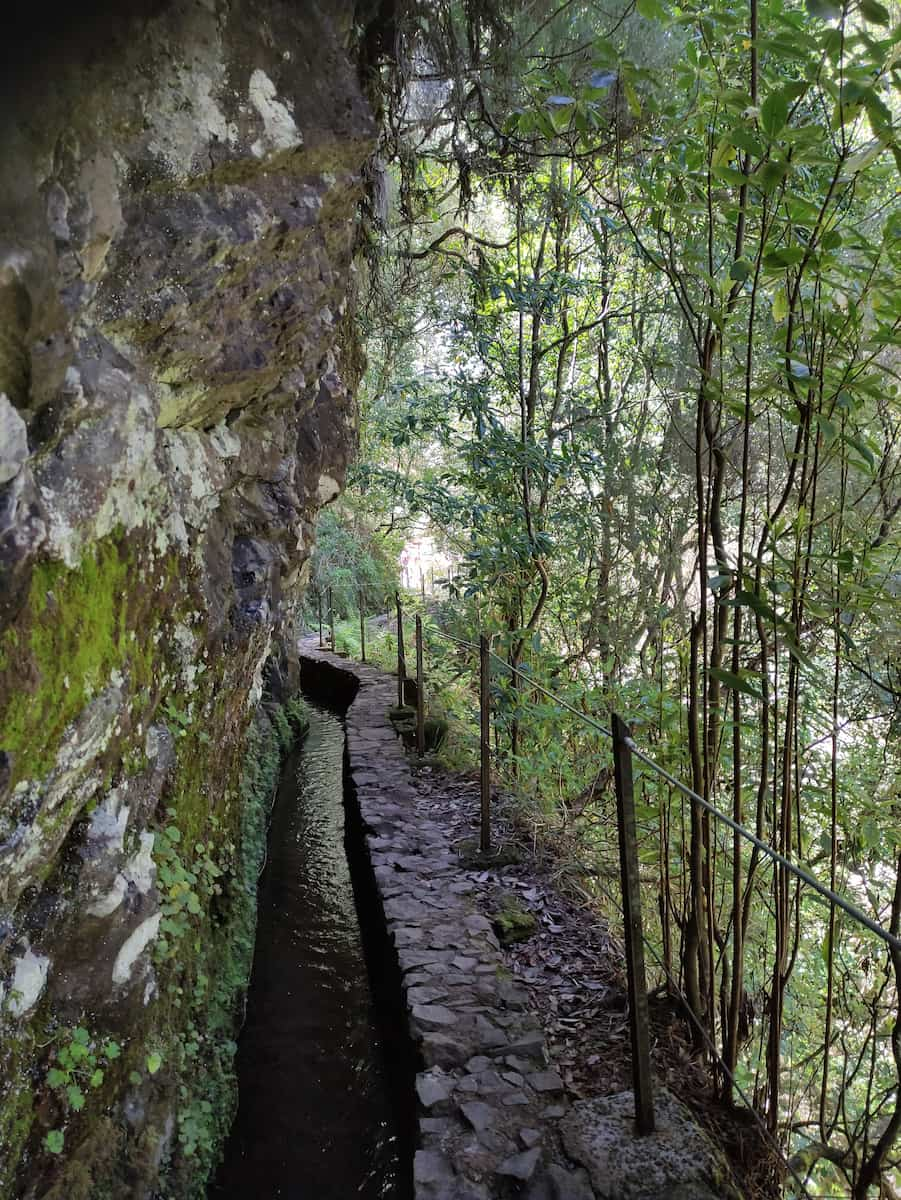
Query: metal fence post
319, 601
485, 744
331, 620
638, 991
401, 659
420, 691
362, 630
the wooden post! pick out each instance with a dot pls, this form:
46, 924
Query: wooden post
638, 991
422, 582
331, 620
485, 744
319, 599
401, 659
420, 691
362, 630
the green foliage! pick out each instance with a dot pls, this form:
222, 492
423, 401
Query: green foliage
189, 878
210, 960
79, 1068
54, 1141
636, 362
353, 558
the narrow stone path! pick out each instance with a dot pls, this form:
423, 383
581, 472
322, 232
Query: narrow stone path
494, 1121
488, 1104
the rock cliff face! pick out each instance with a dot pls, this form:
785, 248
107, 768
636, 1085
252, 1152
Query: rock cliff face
178, 219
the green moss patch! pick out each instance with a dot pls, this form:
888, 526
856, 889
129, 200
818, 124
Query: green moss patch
78, 626
512, 922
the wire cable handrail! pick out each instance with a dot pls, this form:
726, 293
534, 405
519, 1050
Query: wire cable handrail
625, 749
842, 902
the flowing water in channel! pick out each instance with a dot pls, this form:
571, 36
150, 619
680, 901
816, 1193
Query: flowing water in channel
315, 1119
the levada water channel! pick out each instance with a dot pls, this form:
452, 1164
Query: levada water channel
325, 1087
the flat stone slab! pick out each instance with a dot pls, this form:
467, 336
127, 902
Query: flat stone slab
479, 1115
678, 1160
521, 1166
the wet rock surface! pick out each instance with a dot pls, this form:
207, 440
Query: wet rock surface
179, 216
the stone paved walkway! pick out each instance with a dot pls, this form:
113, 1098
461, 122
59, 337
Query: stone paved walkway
494, 1120
488, 1104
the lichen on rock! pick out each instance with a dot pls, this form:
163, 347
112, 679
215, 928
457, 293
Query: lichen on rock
178, 216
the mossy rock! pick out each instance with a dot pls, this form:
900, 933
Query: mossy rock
513, 922
435, 732
472, 858
401, 712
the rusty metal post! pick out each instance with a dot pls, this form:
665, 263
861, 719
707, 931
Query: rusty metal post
638, 991
331, 619
485, 744
420, 691
401, 659
362, 630
319, 601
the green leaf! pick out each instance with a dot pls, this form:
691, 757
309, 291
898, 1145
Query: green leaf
863, 449
736, 682
826, 10
785, 256
81, 1036
757, 603
826, 949
730, 175
740, 270
75, 1096
770, 175
870, 833
828, 429
56, 1078
879, 113
135, 1077
875, 12
97, 1078
54, 1141
774, 113
723, 153
112, 1050
154, 1062
780, 305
